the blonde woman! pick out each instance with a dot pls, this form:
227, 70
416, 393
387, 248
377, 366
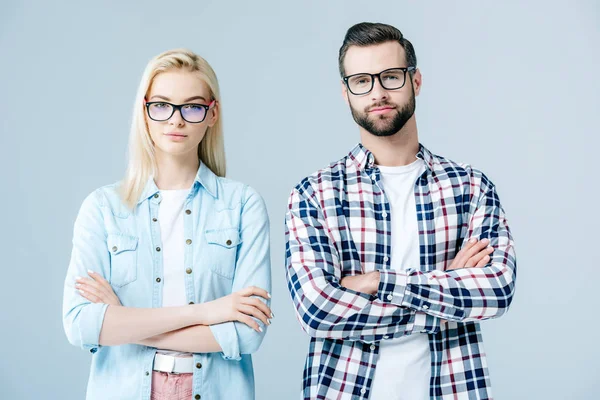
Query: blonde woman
169, 279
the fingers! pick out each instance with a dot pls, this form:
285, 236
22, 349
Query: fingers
255, 302
90, 293
245, 319
476, 248
89, 296
255, 291
477, 258
255, 312
90, 284
100, 279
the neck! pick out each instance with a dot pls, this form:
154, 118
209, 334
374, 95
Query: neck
176, 171
395, 150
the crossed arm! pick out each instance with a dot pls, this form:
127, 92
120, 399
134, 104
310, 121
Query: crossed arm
478, 285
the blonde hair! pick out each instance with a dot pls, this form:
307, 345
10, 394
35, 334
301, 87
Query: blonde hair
141, 159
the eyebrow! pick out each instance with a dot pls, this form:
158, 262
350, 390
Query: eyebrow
185, 101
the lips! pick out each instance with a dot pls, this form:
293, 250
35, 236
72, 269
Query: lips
175, 134
380, 109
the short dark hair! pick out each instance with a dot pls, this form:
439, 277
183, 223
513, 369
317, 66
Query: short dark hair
368, 34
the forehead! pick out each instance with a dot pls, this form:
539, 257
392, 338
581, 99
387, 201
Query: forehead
178, 85
374, 59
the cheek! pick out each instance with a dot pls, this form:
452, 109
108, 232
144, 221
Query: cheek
155, 128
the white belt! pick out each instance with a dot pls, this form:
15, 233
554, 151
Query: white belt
173, 365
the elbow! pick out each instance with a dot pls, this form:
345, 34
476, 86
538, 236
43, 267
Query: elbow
250, 340
313, 325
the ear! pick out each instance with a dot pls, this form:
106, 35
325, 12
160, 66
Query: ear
214, 115
417, 81
345, 92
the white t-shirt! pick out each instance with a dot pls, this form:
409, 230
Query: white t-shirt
170, 218
403, 369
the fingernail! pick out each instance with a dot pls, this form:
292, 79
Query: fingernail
77, 285
90, 272
81, 291
269, 294
77, 278
272, 315
472, 240
269, 321
260, 329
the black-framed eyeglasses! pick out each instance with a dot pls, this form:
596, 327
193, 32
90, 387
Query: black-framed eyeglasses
191, 112
390, 79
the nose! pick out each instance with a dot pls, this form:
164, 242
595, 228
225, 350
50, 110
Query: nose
378, 92
176, 118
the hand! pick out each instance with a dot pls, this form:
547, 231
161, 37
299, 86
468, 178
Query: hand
364, 283
96, 289
238, 306
474, 254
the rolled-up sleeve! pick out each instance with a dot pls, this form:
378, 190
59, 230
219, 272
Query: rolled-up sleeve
83, 320
253, 268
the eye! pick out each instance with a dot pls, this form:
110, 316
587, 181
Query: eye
160, 105
193, 107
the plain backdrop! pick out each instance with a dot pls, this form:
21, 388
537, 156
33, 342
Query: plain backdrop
511, 88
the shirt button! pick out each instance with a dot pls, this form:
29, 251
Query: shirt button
197, 397
384, 214
424, 331
188, 212
228, 242
363, 391
386, 337
156, 196
188, 270
158, 249
425, 307
147, 373
373, 347
114, 249
386, 259
390, 297
154, 220
198, 365
191, 302
158, 280
373, 177
189, 241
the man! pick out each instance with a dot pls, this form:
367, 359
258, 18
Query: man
395, 254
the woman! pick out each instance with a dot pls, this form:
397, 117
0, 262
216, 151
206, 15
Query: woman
169, 276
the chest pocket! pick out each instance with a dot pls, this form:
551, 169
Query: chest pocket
223, 244
123, 259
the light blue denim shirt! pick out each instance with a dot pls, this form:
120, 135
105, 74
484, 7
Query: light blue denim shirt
227, 248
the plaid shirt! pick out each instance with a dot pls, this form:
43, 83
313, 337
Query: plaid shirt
338, 224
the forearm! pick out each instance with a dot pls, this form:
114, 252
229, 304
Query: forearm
334, 312
193, 339
124, 325
462, 295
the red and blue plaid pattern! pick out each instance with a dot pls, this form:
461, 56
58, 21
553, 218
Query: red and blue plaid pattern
338, 224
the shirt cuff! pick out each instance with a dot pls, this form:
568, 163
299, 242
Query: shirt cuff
90, 324
425, 323
226, 335
392, 286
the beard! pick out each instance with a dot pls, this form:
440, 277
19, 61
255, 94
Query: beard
385, 125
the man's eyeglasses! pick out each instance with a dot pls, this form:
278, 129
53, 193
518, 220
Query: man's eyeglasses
390, 79
192, 113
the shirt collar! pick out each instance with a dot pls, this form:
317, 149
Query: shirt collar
364, 159
204, 177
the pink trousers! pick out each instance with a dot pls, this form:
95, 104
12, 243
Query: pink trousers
167, 386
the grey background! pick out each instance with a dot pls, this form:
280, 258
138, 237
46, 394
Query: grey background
511, 88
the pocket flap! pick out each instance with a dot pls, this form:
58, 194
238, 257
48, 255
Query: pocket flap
118, 243
224, 237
